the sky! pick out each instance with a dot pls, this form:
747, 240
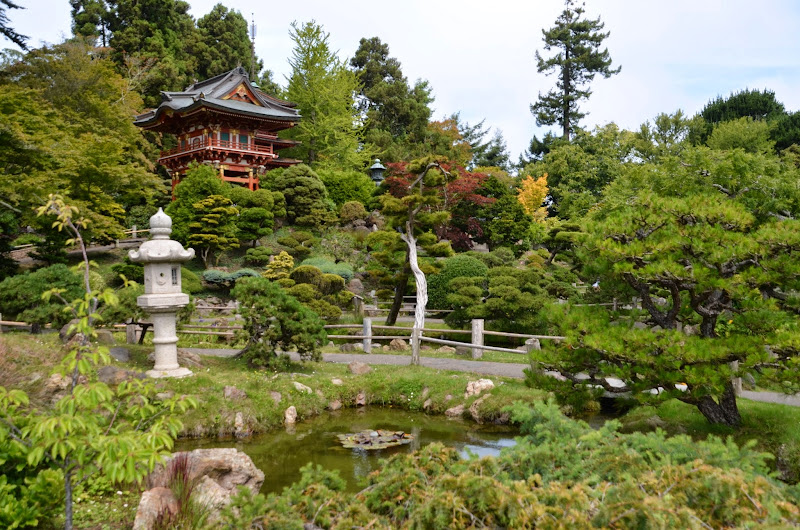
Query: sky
478, 56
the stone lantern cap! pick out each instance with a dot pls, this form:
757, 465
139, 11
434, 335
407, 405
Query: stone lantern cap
160, 248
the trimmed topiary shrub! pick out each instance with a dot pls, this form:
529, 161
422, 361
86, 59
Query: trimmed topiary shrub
330, 284
461, 265
190, 282
307, 274
258, 255
329, 267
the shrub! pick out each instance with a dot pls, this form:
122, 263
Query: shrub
280, 267
258, 255
21, 295
329, 267
352, 211
190, 282
288, 241
132, 271
307, 274
275, 320
458, 266
330, 284
226, 279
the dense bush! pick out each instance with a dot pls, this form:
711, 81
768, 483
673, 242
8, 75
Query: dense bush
274, 320
457, 266
352, 211
329, 267
258, 255
226, 279
21, 295
190, 282
346, 186
562, 472
306, 274
132, 271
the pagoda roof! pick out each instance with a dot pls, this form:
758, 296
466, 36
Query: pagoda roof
231, 92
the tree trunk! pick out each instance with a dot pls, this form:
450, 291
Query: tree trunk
399, 293
422, 292
726, 412
68, 496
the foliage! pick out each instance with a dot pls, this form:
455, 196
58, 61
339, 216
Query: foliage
258, 255
323, 89
329, 267
226, 279
578, 171
6, 30
562, 471
21, 295
224, 44
280, 267
306, 197
274, 320
71, 439
190, 282
457, 266
345, 186
707, 243
577, 60
199, 183
65, 127
505, 223
531, 196
131, 271
183, 482
212, 228
352, 211
8, 231
744, 133
668, 135
257, 212
507, 297
396, 113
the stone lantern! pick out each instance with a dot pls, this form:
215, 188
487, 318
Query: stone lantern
376, 172
162, 296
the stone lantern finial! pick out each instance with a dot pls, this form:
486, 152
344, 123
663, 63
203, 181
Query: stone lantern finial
160, 225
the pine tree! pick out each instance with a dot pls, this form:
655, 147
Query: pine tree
577, 60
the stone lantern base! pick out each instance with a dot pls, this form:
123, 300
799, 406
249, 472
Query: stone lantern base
162, 309
177, 372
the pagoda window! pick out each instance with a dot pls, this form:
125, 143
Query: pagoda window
243, 139
225, 138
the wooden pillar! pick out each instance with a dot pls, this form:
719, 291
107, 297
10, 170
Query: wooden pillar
477, 337
415, 335
250, 179
367, 332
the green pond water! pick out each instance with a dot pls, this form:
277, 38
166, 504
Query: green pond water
281, 454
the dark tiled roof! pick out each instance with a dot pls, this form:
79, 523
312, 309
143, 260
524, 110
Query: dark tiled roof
210, 93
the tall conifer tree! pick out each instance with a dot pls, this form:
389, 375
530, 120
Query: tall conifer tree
577, 60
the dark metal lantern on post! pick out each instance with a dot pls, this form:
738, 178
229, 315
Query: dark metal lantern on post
376, 172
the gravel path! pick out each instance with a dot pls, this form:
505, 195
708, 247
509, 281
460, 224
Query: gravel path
458, 365
479, 367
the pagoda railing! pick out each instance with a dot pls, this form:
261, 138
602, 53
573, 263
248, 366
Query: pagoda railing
201, 144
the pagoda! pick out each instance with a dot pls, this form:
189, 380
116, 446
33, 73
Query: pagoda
226, 122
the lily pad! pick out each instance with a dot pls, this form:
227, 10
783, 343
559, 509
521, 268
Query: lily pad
375, 439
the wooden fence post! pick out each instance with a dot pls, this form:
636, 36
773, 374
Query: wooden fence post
367, 332
477, 337
1, 319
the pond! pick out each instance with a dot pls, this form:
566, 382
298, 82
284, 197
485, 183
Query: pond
281, 454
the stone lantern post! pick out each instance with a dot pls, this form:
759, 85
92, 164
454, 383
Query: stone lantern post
162, 296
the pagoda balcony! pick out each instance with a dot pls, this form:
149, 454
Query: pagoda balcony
221, 146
